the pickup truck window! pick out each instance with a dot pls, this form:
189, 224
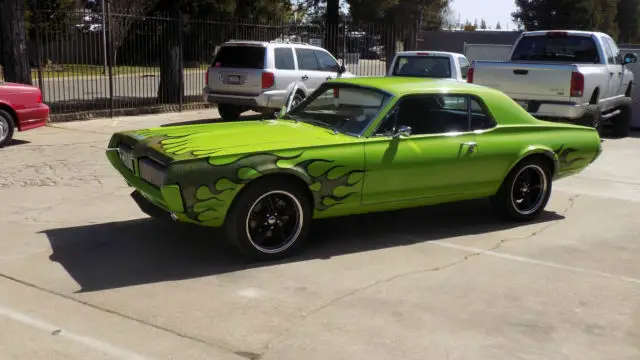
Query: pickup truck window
464, 67
571, 49
423, 66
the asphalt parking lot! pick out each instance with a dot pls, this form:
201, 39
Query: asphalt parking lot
84, 274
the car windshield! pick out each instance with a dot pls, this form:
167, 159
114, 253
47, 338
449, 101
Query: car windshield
423, 66
343, 108
570, 48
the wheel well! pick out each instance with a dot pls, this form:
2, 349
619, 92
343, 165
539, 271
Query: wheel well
11, 112
546, 159
628, 92
280, 177
594, 96
301, 93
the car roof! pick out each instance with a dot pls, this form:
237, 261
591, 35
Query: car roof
421, 52
278, 43
400, 86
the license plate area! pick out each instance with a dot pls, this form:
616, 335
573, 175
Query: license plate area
233, 79
126, 156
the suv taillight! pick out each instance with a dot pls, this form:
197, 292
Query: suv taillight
470, 75
206, 77
577, 84
268, 79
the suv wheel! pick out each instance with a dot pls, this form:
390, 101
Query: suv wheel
229, 112
622, 121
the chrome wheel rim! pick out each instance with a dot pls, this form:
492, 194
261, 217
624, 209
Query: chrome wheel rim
274, 222
4, 129
528, 189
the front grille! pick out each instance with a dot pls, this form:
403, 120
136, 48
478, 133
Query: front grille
152, 172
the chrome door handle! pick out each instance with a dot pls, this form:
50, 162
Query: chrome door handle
472, 146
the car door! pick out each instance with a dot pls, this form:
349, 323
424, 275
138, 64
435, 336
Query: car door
310, 73
611, 88
435, 160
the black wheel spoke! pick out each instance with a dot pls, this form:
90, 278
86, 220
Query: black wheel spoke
529, 189
274, 221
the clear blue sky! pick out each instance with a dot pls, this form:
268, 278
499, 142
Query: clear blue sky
492, 11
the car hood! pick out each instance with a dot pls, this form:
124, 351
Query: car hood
187, 142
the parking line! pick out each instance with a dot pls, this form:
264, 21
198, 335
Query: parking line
533, 261
84, 340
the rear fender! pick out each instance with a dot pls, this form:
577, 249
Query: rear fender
536, 150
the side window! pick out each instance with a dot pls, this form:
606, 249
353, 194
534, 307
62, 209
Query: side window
480, 118
284, 58
327, 63
388, 123
607, 51
307, 60
615, 51
464, 67
434, 114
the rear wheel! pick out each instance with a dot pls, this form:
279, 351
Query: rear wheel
7, 127
229, 112
269, 220
525, 192
622, 121
591, 117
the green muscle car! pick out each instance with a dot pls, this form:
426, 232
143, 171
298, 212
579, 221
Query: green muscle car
353, 146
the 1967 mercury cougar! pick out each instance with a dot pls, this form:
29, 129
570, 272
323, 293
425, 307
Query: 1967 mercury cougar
353, 146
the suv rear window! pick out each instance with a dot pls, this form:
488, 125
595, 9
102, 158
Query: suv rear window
246, 57
573, 49
423, 66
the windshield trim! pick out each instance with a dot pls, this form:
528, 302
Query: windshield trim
333, 84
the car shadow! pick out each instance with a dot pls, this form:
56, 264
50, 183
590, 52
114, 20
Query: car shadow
251, 117
17, 142
144, 251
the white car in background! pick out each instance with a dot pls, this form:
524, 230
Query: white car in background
258, 75
430, 64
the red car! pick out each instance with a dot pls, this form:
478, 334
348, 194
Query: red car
21, 108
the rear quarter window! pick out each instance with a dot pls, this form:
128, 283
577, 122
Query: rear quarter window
284, 58
572, 49
245, 57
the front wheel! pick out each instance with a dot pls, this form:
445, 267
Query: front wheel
270, 220
7, 127
525, 192
622, 122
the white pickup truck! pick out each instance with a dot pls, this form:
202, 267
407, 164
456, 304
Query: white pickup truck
568, 76
430, 64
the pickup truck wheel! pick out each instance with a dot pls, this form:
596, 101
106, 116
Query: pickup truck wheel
270, 220
525, 192
591, 117
622, 122
229, 112
7, 127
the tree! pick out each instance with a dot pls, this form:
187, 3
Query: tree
498, 27
122, 14
475, 23
483, 24
592, 15
13, 42
627, 19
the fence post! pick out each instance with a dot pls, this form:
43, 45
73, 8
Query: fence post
181, 59
39, 54
111, 52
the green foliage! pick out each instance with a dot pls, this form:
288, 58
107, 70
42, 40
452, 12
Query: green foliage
592, 15
627, 19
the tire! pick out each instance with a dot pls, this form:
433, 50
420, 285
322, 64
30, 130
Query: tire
251, 207
591, 117
7, 128
229, 112
297, 98
505, 200
622, 122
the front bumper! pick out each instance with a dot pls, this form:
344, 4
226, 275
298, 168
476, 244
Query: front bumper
166, 197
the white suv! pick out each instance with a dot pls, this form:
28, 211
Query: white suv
258, 75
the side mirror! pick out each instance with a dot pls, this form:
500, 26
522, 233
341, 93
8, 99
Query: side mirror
629, 58
402, 131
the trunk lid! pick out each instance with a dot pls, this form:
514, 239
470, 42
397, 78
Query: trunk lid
237, 69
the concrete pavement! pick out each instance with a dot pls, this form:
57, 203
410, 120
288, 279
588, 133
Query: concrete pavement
448, 282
